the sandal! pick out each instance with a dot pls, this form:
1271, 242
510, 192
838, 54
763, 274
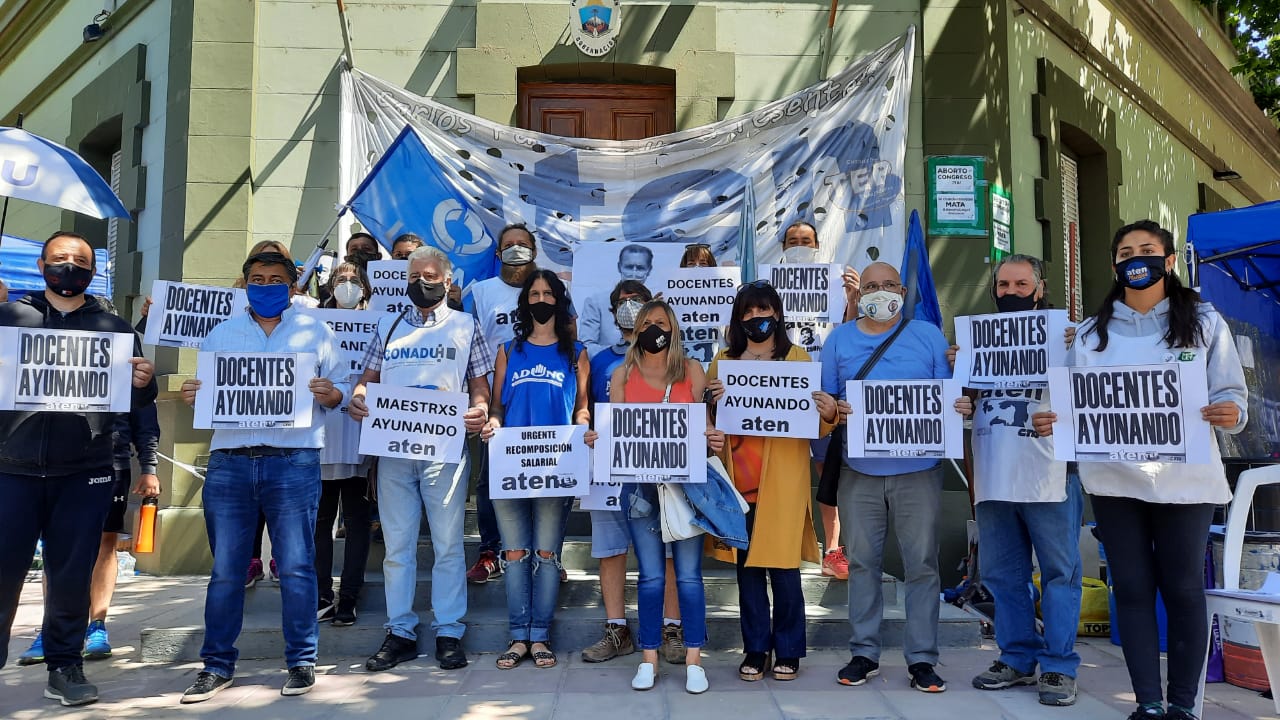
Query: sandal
753, 666
543, 658
512, 659
786, 669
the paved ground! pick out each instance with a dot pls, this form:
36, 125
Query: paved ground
131, 689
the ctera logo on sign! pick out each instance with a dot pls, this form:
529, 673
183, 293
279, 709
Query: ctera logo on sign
595, 25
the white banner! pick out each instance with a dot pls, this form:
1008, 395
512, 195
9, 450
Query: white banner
532, 462
651, 442
414, 424
65, 371
905, 419
389, 286
182, 314
254, 390
354, 329
1131, 413
701, 296
1010, 350
768, 398
809, 291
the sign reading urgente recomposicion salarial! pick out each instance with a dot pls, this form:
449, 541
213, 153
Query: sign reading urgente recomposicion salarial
594, 25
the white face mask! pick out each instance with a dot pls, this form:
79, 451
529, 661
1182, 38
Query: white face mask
348, 294
881, 306
627, 312
797, 254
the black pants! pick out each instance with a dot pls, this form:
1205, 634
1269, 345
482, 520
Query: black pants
355, 517
68, 512
1154, 546
784, 636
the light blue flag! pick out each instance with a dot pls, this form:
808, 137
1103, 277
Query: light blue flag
922, 296
747, 234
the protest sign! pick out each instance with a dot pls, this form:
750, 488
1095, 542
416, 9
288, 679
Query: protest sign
182, 314
905, 419
773, 399
810, 335
65, 370
1132, 413
651, 442
1010, 350
414, 424
389, 286
354, 328
810, 291
254, 390
606, 495
533, 462
701, 296
702, 342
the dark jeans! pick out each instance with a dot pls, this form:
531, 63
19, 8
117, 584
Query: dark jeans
68, 512
486, 518
355, 513
1151, 547
785, 637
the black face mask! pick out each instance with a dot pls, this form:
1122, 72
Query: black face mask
759, 329
654, 339
67, 279
426, 295
1017, 303
1141, 271
362, 258
542, 312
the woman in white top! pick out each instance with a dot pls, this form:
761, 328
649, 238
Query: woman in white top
1154, 516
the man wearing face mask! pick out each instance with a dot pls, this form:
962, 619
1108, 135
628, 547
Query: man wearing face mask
405, 486
362, 249
404, 245
596, 328
871, 490
56, 474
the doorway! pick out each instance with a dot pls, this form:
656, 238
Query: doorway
603, 111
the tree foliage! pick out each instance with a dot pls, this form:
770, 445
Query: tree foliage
1254, 28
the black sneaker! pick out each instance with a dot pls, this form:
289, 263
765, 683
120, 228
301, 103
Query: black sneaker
1177, 713
449, 653
394, 651
346, 613
68, 686
924, 679
301, 679
1145, 712
857, 671
206, 686
325, 612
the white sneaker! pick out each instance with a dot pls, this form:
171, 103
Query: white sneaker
695, 680
645, 677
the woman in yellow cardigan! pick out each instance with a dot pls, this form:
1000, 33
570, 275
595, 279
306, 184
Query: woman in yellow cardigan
772, 473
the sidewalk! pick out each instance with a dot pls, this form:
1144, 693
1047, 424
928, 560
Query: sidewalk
131, 689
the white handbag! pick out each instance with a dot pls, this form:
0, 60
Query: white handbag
675, 514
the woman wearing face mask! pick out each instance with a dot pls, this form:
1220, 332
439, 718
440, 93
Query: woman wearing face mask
1154, 517
657, 370
772, 475
348, 287
553, 371
698, 255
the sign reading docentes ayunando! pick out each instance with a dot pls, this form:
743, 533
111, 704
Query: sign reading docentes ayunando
353, 329
254, 390
414, 424
651, 442
701, 296
65, 370
768, 398
389, 286
812, 291
529, 462
904, 418
182, 314
1007, 350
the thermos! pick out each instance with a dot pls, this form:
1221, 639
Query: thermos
145, 539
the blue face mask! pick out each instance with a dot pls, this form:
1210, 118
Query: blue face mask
268, 301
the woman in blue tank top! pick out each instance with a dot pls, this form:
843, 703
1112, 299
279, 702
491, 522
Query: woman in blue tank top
540, 379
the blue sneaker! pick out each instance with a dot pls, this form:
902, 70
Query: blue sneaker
34, 654
96, 644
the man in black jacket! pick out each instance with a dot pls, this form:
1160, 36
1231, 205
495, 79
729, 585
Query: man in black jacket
55, 473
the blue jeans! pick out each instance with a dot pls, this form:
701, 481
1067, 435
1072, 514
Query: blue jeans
286, 488
1007, 533
784, 636
404, 488
534, 526
640, 503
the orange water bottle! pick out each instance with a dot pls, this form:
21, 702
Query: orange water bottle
145, 539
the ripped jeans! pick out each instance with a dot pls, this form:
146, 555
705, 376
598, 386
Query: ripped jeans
534, 527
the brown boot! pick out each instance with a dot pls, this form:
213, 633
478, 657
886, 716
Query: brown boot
673, 649
616, 641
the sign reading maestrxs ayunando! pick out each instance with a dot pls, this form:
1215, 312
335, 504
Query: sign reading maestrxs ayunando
414, 423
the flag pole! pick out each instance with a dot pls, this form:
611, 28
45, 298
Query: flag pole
826, 46
314, 259
346, 33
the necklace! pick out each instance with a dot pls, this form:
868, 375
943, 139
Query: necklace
759, 356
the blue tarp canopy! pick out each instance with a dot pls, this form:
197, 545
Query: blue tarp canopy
18, 268
1244, 243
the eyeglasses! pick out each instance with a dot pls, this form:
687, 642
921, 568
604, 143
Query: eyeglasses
891, 286
761, 283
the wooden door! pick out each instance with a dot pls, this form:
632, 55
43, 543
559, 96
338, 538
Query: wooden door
602, 111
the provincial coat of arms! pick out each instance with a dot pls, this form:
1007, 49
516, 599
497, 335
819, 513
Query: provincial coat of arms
594, 25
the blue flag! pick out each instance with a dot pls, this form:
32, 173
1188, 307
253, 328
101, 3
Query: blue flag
922, 296
407, 192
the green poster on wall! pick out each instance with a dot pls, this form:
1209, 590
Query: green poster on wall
1001, 223
957, 195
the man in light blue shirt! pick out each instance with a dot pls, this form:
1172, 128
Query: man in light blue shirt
275, 471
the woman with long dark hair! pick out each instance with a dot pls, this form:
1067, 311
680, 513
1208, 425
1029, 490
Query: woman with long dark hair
540, 379
1153, 516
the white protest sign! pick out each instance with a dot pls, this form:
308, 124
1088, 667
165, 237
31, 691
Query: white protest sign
354, 328
1010, 350
904, 419
65, 370
1001, 210
954, 178
414, 424
389, 286
768, 398
182, 315
532, 462
1132, 413
240, 390
651, 442
1001, 238
701, 296
702, 342
812, 291
957, 208
810, 335
601, 495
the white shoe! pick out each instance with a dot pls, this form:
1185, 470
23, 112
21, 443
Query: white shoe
645, 677
695, 680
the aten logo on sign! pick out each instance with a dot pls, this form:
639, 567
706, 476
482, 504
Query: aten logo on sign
595, 25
